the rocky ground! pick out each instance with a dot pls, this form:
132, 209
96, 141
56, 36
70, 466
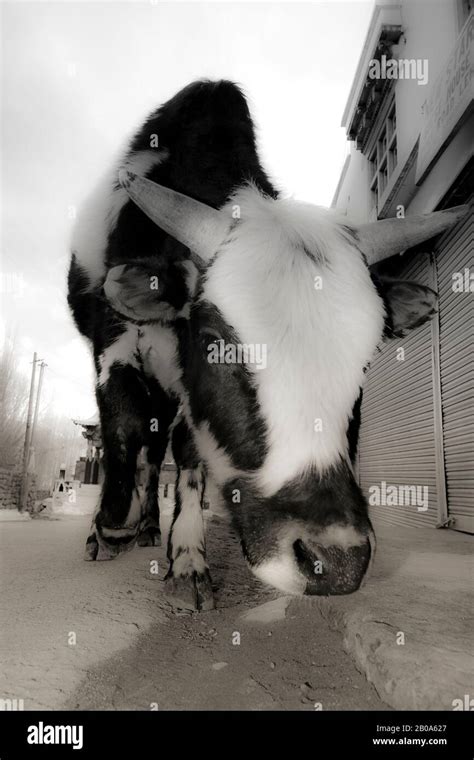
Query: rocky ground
83, 635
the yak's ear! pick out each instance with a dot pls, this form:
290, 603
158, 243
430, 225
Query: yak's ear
151, 290
408, 304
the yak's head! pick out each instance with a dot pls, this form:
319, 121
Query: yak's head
278, 317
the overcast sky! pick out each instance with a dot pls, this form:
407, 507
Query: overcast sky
79, 77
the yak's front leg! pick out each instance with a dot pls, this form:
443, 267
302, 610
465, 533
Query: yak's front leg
163, 412
149, 533
123, 405
188, 582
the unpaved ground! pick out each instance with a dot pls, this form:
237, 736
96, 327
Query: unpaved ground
101, 636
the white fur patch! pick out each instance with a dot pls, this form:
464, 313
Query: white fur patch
159, 352
153, 347
188, 530
344, 536
191, 276
215, 456
318, 339
98, 215
281, 573
123, 351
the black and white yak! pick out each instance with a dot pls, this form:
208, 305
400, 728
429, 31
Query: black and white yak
191, 250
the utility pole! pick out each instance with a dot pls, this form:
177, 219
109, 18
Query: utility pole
26, 448
37, 403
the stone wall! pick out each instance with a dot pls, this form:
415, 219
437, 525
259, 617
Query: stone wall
10, 483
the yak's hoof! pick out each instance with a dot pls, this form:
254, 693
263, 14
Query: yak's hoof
149, 535
101, 549
92, 548
190, 592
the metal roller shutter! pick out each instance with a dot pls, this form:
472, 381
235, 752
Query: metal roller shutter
397, 435
456, 323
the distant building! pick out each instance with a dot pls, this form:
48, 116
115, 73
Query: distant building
80, 470
412, 148
89, 468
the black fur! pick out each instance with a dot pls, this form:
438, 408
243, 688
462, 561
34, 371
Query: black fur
354, 428
209, 135
224, 395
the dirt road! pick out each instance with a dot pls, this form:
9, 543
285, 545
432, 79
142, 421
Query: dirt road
101, 636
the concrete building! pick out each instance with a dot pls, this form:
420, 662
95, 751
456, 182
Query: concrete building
410, 122
89, 468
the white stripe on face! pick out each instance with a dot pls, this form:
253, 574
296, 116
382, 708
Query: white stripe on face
318, 339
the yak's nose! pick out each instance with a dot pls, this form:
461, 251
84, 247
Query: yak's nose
332, 569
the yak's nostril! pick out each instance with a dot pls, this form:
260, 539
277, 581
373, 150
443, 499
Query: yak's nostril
331, 569
310, 562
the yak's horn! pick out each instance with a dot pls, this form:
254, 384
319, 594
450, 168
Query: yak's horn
198, 226
382, 239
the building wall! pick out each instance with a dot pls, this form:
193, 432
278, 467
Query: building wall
354, 194
10, 485
430, 36
80, 469
417, 422
430, 33
444, 172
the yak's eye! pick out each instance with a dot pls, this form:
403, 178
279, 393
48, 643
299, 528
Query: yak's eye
209, 342
207, 336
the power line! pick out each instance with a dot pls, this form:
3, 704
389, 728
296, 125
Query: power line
70, 380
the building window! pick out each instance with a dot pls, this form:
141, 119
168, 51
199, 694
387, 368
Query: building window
383, 158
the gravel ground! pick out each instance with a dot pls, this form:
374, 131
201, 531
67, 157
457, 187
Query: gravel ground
81, 635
